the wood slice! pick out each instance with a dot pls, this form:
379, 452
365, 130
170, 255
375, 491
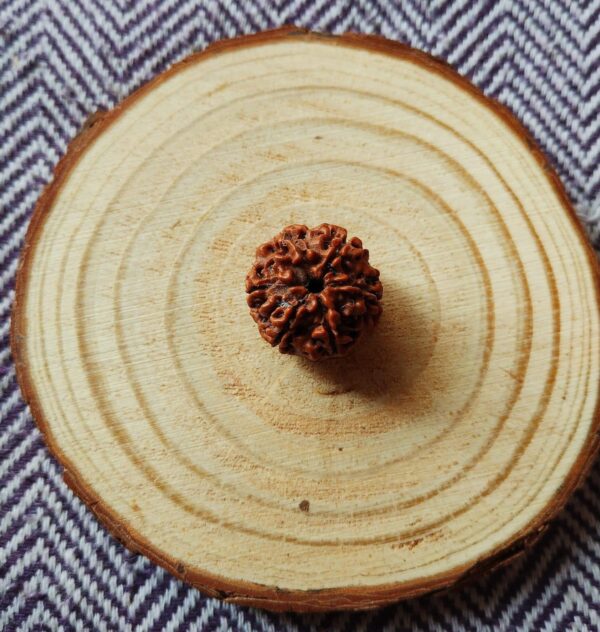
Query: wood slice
441, 446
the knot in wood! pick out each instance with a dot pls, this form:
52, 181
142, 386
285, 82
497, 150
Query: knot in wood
312, 292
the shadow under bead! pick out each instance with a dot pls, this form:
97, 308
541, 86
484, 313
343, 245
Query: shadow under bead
312, 292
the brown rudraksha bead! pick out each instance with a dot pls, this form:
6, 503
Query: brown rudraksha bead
312, 292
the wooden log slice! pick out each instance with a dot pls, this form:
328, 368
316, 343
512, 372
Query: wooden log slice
442, 445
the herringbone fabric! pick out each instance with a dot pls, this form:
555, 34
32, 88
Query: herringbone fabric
61, 60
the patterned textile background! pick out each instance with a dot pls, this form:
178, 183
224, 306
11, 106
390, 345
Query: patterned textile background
61, 60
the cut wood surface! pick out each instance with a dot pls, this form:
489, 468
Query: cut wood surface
441, 446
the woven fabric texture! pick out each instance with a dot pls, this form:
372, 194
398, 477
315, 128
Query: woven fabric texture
60, 61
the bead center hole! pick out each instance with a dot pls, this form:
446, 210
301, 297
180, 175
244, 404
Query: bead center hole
315, 285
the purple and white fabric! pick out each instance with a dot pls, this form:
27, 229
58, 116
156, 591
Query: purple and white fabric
60, 61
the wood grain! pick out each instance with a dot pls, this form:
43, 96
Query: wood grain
441, 446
